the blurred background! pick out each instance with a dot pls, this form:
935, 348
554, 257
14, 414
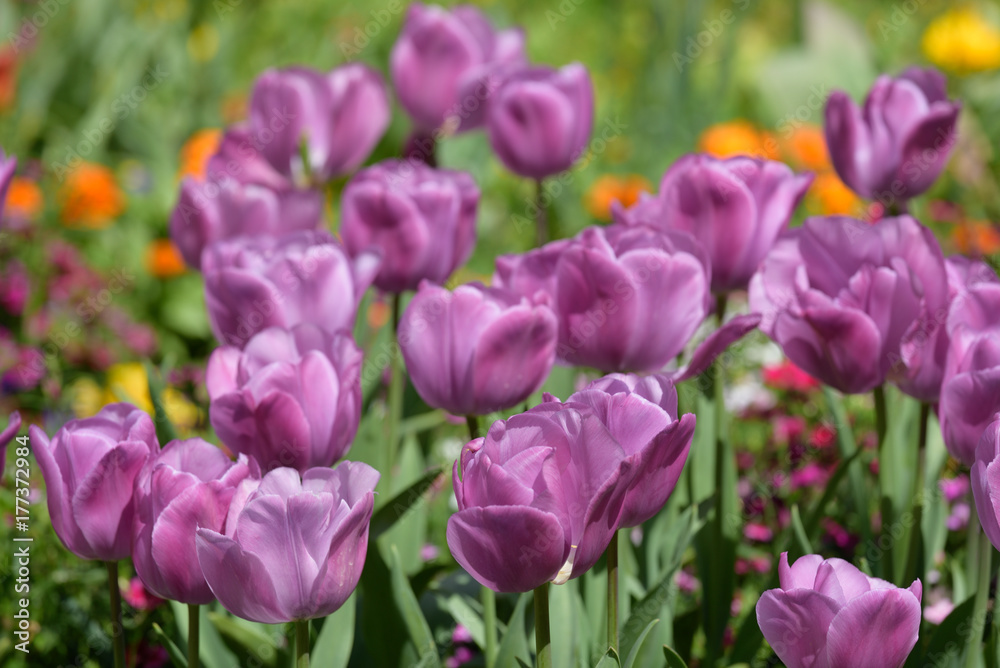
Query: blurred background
108, 103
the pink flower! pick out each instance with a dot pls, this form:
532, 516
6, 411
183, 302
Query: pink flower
139, 597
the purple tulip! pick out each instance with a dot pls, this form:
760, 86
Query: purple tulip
240, 158
828, 614
293, 547
7, 167
421, 220
896, 146
839, 295
970, 390
539, 497
186, 486
209, 211
736, 208
89, 468
301, 277
340, 115
985, 481
627, 298
539, 119
290, 398
442, 57
641, 415
477, 349
7, 435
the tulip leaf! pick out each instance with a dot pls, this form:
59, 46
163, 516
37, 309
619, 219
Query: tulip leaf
176, 655
413, 616
165, 431
634, 654
610, 660
382, 625
401, 504
800, 534
336, 638
847, 445
514, 644
246, 640
674, 659
816, 514
947, 644
212, 650
464, 614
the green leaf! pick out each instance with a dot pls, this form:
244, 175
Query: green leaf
674, 659
212, 650
464, 614
335, 640
818, 511
245, 640
610, 660
413, 616
382, 626
630, 660
947, 644
514, 644
165, 431
398, 506
176, 655
800, 533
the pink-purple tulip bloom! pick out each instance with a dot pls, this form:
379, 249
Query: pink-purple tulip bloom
828, 614
290, 398
293, 546
89, 468
839, 295
209, 211
301, 277
422, 221
735, 207
8, 165
540, 119
627, 298
338, 115
894, 147
985, 481
476, 349
443, 57
186, 486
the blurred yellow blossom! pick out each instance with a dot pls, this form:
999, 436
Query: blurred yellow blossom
90, 197
739, 137
196, 152
163, 259
611, 188
203, 43
962, 40
128, 382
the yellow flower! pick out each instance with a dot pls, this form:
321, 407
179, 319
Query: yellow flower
163, 260
613, 188
90, 197
86, 397
196, 152
963, 41
739, 137
128, 381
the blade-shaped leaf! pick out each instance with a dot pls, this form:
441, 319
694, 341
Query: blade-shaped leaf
176, 655
398, 506
630, 660
674, 659
336, 638
413, 616
514, 643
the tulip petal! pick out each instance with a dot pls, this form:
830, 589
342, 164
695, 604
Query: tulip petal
875, 630
239, 579
795, 623
716, 343
801, 574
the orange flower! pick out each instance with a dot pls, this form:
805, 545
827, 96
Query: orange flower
196, 152
24, 198
739, 137
378, 314
977, 238
611, 188
163, 260
829, 196
806, 148
90, 197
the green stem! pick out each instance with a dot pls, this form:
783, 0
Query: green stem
919, 483
543, 230
971, 538
883, 473
117, 630
613, 592
397, 384
302, 644
472, 421
879, 395
194, 635
721, 300
487, 595
979, 541
543, 646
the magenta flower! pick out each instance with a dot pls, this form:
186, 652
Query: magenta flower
240, 158
828, 614
7, 435
186, 486
442, 57
89, 467
209, 211
322, 520
896, 146
736, 208
627, 298
422, 221
986, 481
339, 115
301, 277
476, 350
539, 119
839, 295
290, 398
8, 165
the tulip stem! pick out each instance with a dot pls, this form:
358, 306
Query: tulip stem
721, 300
397, 385
543, 646
543, 225
117, 630
883, 471
613, 592
919, 482
979, 542
473, 423
194, 635
302, 643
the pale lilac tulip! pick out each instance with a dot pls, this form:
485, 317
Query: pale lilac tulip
828, 614
894, 147
89, 467
422, 221
476, 349
301, 277
985, 481
8, 165
186, 486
